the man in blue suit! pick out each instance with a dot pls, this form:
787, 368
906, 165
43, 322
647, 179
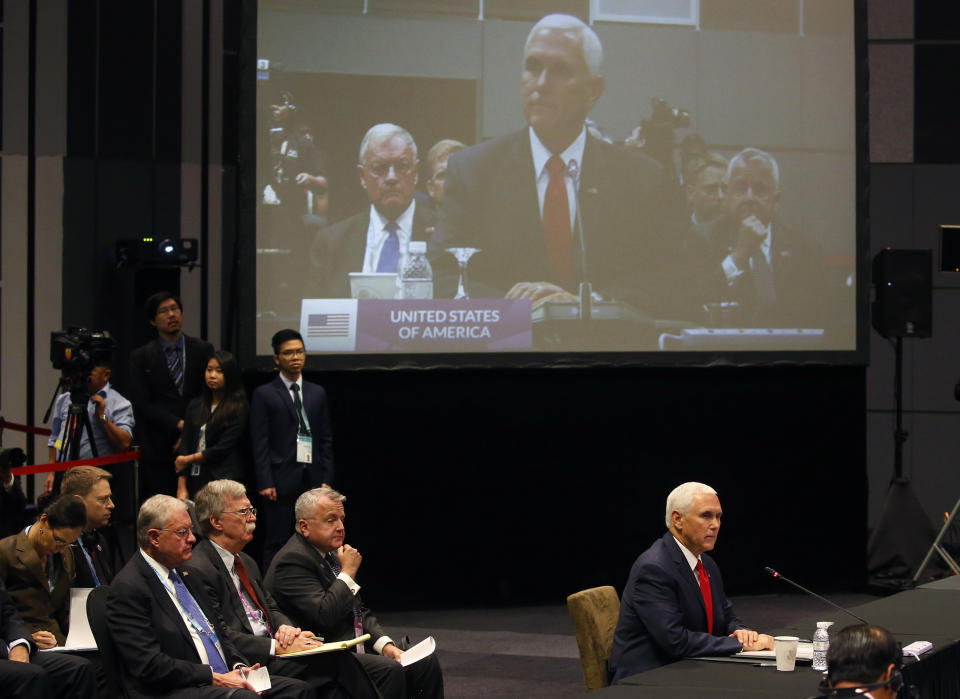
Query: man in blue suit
673, 605
292, 441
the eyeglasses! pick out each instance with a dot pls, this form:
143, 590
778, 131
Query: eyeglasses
168, 310
245, 512
179, 533
381, 169
293, 353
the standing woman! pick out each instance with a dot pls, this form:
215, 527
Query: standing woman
39, 570
211, 447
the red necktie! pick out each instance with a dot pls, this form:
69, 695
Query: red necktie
707, 595
245, 581
556, 223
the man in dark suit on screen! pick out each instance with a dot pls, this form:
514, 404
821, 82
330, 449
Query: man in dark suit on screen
377, 239
292, 440
673, 605
515, 197
170, 638
314, 578
165, 375
255, 623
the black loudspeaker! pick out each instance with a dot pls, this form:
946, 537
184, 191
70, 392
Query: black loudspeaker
903, 306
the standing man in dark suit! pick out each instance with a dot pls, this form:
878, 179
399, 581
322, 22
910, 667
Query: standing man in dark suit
292, 441
515, 197
165, 375
375, 240
773, 272
673, 605
95, 557
256, 625
313, 577
27, 674
169, 637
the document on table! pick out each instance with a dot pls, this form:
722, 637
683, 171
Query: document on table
804, 652
80, 637
425, 648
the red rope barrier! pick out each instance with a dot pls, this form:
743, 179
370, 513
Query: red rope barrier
4, 425
64, 465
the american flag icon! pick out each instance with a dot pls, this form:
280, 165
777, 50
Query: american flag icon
328, 325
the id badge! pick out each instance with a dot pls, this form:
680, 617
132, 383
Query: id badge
195, 469
304, 449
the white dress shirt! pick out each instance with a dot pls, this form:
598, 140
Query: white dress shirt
541, 154
377, 235
259, 628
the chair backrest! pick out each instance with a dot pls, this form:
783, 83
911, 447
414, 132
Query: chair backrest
594, 613
97, 616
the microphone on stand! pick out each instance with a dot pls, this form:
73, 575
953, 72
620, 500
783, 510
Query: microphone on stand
774, 574
586, 288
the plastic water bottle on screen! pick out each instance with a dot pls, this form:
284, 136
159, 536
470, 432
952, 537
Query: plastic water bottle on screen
821, 643
416, 277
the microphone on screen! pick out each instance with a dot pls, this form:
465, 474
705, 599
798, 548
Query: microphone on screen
777, 576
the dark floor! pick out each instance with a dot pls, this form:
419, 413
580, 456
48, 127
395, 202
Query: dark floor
531, 653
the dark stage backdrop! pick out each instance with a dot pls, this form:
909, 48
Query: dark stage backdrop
506, 487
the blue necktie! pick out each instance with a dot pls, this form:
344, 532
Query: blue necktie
175, 365
390, 252
334, 562
199, 621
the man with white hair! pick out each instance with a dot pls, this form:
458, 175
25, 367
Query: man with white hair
515, 197
673, 605
375, 240
748, 256
170, 637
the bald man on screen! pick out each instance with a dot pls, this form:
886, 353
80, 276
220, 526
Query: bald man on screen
674, 605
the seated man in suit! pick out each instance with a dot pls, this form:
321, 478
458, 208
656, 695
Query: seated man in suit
516, 197
170, 640
256, 625
864, 660
313, 578
95, 558
747, 256
27, 674
673, 605
375, 240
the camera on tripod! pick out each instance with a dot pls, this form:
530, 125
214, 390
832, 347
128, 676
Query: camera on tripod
75, 352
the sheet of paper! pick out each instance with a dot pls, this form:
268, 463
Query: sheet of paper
80, 637
804, 652
425, 648
259, 679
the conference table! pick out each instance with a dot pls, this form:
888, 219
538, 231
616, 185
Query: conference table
927, 613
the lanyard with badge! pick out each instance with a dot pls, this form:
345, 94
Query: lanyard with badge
304, 436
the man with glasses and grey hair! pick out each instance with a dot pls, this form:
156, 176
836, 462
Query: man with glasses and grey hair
673, 604
774, 273
171, 639
256, 625
378, 238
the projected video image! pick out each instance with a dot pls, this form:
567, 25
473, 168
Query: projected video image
451, 183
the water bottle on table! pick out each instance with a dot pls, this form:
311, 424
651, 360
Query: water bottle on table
416, 277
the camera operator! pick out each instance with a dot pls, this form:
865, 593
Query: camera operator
111, 420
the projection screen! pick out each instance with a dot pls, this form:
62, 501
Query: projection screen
708, 203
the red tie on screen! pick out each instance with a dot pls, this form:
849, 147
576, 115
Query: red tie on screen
707, 595
556, 222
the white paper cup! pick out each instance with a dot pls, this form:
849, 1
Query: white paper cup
786, 649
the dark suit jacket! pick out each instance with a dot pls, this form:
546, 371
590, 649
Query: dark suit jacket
303, 585
223, 456
13, 509
109, 557
151, 637
662, 616
12, 627
273, 431
630, 216
221, 590
339, 249
797, 266
40, 609
157, 404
